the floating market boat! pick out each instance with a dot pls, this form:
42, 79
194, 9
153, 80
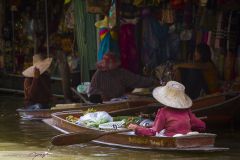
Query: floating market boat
221, 110
201, 142
110, 106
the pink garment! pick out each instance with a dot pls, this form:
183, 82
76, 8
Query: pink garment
128, 50
174, 121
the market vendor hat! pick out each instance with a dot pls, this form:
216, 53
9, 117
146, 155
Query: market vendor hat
172, 95
38, 62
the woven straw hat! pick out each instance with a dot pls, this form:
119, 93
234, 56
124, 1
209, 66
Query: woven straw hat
38, 62
172, 95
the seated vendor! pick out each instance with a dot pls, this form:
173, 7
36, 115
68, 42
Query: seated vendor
37, 84
111, 81
202, 73
175, 117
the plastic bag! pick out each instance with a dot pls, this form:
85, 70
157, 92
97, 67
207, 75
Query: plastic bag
94, 119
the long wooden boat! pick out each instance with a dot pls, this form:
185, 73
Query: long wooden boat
221, 110
202, 142
46, 113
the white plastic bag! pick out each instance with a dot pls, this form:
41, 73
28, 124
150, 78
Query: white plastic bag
95, 118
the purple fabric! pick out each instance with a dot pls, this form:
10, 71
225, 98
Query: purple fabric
174, 121
128, 50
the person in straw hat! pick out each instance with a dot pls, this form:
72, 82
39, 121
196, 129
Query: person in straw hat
37, 86
175, 117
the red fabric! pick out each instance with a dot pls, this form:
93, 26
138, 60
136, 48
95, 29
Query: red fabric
174, 121
129, 55
177, 4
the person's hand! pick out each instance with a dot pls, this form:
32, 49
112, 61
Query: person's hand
132, 126
36, 72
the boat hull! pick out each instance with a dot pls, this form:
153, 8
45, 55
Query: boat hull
46, 113
200, 142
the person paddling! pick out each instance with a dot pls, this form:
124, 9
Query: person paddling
175, 117
37, 84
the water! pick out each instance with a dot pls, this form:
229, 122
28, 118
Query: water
30, 140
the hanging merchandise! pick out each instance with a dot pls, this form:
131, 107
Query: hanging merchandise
154, 48
112, 15
177, 4
167, 15
203, 3
108, 38
97, 6
138, 3
127, 10
69, 17
128, 49
67, 1
186, 35
218, 34
230, 58
146, 3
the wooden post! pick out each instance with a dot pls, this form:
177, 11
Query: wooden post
65, 75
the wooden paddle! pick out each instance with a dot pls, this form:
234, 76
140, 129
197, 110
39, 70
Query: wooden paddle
81, 137
81, 96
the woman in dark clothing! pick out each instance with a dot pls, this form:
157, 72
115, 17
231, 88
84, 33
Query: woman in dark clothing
111, 81
37, 84
202, 73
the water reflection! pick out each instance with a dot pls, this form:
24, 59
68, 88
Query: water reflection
26, 140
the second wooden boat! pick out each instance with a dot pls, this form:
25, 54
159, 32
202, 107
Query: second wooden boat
46, 113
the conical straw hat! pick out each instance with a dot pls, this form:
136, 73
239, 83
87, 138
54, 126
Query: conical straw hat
172, 95
42, 65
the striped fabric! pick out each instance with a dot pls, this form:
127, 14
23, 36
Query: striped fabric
86, 38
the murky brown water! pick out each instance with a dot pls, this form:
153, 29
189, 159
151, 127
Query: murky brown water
29, 140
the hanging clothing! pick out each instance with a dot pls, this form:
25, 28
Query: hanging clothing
129, 54
108, 42
153, 42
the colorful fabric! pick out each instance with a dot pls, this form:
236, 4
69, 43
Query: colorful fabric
174, 121
130, 56
114, 83
112, 14
108, 42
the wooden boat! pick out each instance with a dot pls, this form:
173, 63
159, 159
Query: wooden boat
221, 110
202, 142
46, 113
